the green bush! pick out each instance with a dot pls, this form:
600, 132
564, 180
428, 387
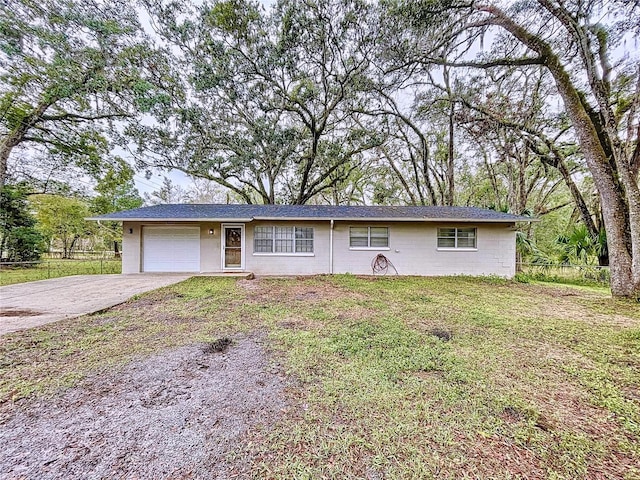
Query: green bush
574, 275
19, 239
24, 244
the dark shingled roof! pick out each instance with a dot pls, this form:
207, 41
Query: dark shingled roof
246, 213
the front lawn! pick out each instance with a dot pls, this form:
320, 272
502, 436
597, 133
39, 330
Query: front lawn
388, 377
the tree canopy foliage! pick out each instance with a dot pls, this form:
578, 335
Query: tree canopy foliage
267, 101
116, 191
62, 219
528, 106
572, 43
71, 72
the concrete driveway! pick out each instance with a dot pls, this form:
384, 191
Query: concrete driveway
31, 304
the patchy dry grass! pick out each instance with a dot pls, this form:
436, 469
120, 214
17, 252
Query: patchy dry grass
44, 359
392, 377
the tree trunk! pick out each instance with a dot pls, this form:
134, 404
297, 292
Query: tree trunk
612, 196
450, 173
72, 246
16, 136
6, 146
450, 182
621, 219
3, 241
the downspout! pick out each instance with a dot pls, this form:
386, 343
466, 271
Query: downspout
331, 248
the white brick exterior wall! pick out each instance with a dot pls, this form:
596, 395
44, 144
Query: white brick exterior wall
412, 249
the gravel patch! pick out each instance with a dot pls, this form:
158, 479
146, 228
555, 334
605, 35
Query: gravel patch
179, 414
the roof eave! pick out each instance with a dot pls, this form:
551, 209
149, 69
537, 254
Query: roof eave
176, 219
400, 219
318, 219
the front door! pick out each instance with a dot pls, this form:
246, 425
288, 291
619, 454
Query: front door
232, 245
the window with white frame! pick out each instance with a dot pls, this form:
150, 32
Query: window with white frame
272, 239
457, 237
368, 237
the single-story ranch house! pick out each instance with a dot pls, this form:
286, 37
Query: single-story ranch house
315, 239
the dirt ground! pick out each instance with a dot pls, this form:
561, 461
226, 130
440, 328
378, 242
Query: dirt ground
179, 415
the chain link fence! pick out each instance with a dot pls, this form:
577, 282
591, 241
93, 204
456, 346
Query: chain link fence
19, 272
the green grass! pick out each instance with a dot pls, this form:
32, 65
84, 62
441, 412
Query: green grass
392, 377
58, 268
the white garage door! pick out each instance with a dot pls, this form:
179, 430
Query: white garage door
171, 249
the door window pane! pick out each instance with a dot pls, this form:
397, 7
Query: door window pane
232, 247
233, 237
232, 257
